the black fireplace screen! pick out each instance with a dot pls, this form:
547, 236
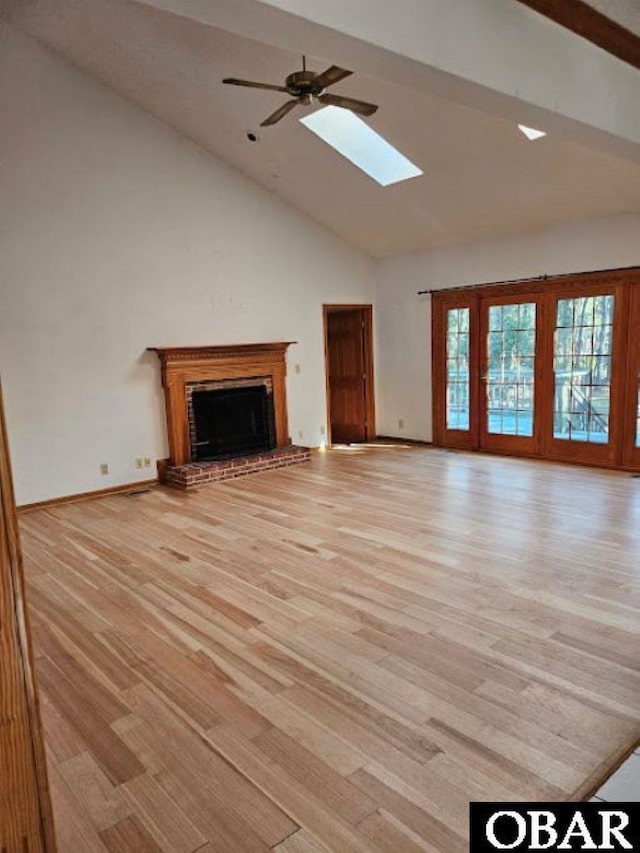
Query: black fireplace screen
231, 422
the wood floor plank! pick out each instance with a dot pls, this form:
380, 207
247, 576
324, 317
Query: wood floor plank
337, 793
307, 809
307, 730
214, 793
422, 821
361, 733
63, 741
301, 841
129, 836
102, 801
163, 819
389, 835
338, 656
74, 830
112, 755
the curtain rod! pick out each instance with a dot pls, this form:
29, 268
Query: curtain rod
531, 279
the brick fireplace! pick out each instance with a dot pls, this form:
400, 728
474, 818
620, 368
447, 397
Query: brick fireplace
226, 412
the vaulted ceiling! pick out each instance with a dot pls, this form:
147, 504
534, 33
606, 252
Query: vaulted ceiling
481, 175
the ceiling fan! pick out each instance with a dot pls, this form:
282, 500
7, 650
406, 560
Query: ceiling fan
307, 86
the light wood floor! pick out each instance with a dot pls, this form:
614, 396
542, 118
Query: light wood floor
337, 656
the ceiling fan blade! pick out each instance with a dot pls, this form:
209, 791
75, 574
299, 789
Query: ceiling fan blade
332, 75
352, 104
280, 112
251, 85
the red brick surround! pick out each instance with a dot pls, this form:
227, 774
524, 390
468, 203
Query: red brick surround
195, 474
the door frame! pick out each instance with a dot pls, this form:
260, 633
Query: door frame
369, 387
631, 453
23, 768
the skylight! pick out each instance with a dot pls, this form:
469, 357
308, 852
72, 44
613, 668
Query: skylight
366, 149
531, 133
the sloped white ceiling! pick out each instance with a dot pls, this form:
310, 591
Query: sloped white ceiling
482, 177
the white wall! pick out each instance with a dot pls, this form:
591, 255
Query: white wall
117, 234
403, 327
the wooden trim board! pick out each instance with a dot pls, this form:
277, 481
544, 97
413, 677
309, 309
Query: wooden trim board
396, 439
88, 496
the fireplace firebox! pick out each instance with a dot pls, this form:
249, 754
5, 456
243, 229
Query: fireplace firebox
230, 420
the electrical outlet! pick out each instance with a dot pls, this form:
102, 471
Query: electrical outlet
300, 434
104, 469
401, 423
296, 368
147, 462
322, 430
138, 462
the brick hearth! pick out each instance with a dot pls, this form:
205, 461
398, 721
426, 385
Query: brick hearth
195, 474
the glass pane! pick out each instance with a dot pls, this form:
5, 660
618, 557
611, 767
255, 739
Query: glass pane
565, 313
582, 364
527, 342
583, 311
458, 368
528, 316
511, 369
495, 318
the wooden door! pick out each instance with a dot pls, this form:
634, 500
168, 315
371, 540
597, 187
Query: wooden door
26, 824
455, 371
588, 353
511, 397
349, 382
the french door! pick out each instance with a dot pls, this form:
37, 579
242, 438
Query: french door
455, 359
548, 369
510, 414
588, 374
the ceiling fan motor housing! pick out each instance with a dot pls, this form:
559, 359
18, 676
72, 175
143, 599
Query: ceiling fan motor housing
302, 83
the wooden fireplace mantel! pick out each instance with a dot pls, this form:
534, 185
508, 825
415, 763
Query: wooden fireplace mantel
183, 365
